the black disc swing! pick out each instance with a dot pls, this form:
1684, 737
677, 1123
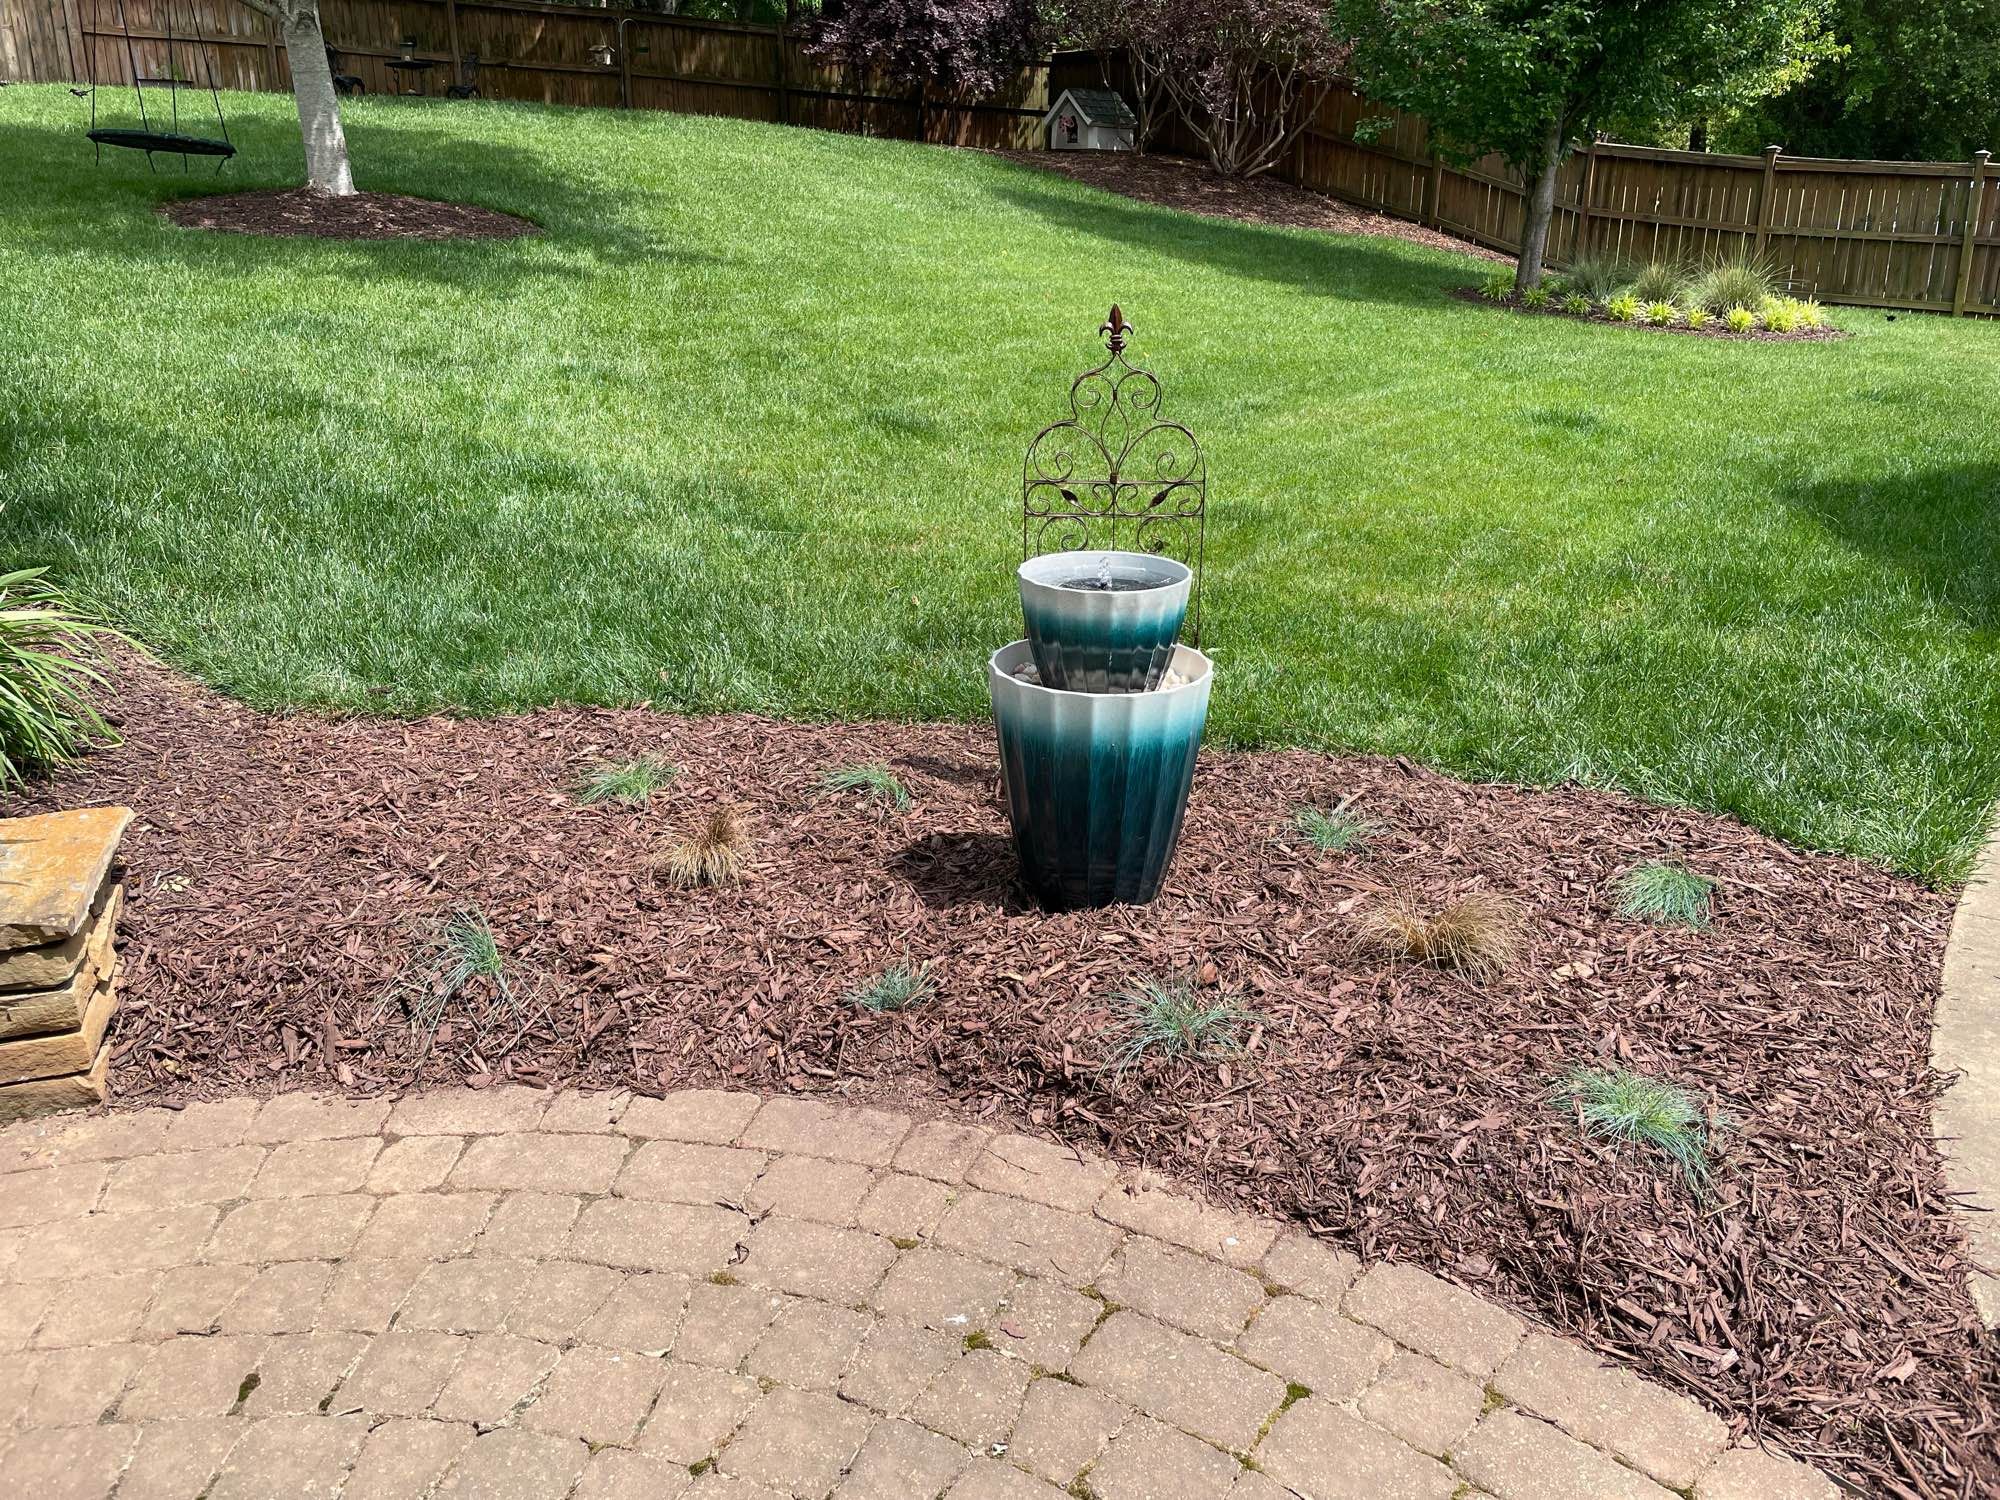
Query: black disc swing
173, 139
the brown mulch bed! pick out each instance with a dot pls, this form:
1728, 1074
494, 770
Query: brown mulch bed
1715, 330
363, 216
285, 869
1174, 182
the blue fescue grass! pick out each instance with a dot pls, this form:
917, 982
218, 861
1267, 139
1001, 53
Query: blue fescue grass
630, 783
894, 989
1631, 1108
1175, 1020
1331, 831
872, 780
1666, 893
742, 430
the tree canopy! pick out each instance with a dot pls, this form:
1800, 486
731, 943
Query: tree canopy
1533, 79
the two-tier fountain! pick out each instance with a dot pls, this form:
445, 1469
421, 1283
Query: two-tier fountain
1100, 712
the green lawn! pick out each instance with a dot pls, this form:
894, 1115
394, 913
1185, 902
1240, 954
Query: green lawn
744, 430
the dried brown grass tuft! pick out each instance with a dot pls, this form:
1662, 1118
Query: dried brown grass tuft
1477, 934
714, 856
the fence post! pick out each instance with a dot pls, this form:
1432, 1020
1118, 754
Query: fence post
1582, 245
1767, 198
457, 57
1430, 213
1968, 244
784, 68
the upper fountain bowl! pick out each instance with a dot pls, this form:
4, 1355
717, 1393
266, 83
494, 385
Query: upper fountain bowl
1103, 622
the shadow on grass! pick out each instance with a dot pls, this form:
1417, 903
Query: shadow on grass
1323, 263
72, 202
1938, 527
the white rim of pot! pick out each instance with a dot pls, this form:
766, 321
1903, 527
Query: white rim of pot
1177, 572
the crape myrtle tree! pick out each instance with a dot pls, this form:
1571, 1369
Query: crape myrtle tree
1534, 79
312, 85
1246, 76
958, 47
1127, 35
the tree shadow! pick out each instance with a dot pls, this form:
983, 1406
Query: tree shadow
951, 870
1938, 527
70, 201
1323, 262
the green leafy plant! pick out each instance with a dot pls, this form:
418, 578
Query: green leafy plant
1537, 297
1658, 281
714, 855
1497, 287
1331, 830
1697, 317
874, 779
631, 783
1811, 314
1781, 315
1175, 1020
1661, 314
1577, 305
47, 649
1733, 281
1661, 892
1477, 935
1621, 1105
1739, 320
1623, 308
893, 989
1598, 276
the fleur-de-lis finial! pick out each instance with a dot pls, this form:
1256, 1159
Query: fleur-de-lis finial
1115, 331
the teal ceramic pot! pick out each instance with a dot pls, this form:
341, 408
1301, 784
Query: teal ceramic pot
1103, 622
1097, 783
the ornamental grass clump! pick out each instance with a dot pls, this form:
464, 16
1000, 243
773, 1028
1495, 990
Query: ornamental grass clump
1623, 308
1177, 1021
1597, 277
1659, 281
1537, 297
1577, 305
873, 779
460, 956
1739, 320
893, 989
1620, 1105
1476, 935
1667, 894
1697, 317
1331, 830
1661, 314
47, 718
630, 783
1733, 281
1497, 287
714, 855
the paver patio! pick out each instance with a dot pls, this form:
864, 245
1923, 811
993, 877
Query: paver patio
532, 1296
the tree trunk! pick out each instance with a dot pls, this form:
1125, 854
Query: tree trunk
319, 107
1698, 136
1540, 212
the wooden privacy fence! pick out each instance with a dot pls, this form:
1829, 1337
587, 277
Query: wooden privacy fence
1906, 234
513, 49
1922, 235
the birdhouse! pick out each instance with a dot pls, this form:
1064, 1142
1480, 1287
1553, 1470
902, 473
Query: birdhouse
1090, 120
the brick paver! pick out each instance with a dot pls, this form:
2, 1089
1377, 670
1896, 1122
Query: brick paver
510, 1294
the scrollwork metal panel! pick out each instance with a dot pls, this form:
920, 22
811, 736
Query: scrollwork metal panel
1114, 476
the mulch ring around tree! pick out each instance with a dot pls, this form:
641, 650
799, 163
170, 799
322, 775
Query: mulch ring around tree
1715, 329
361, 216
286, 870
1193, 187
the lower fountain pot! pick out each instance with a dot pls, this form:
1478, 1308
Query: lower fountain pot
1097, 783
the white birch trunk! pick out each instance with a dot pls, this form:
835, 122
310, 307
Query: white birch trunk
319, 107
